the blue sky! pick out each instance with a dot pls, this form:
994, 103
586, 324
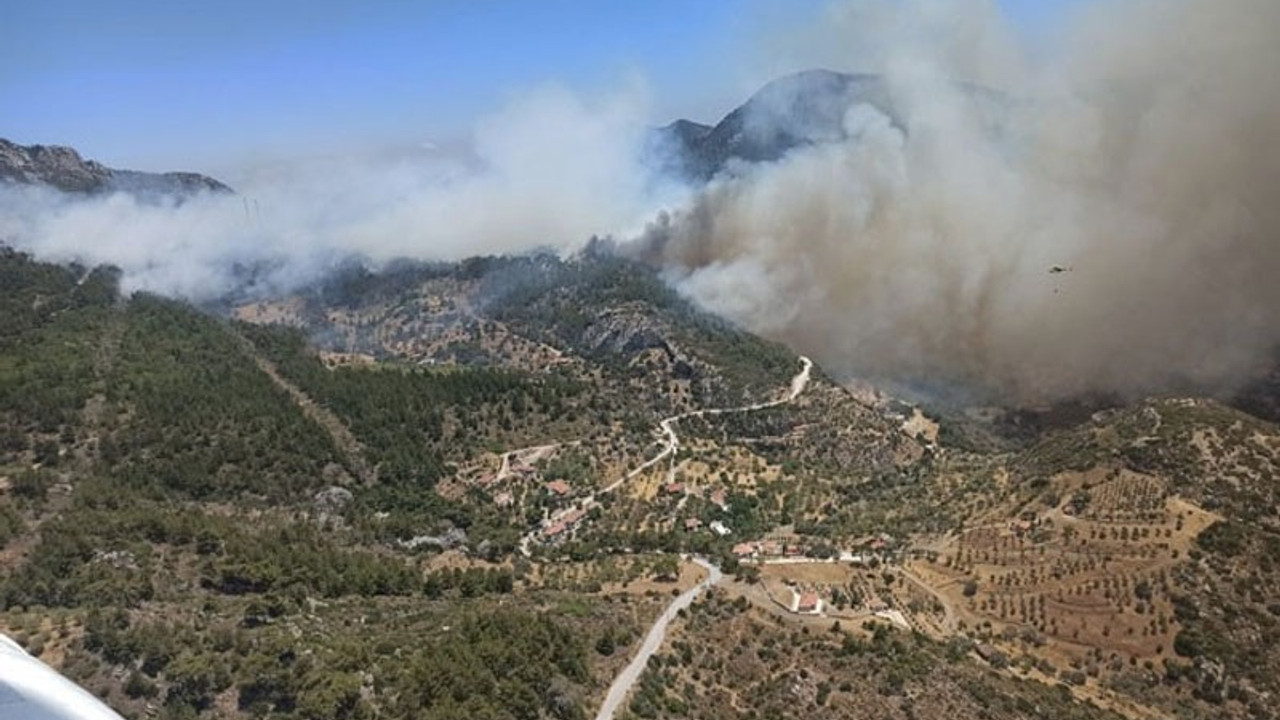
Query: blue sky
151, 83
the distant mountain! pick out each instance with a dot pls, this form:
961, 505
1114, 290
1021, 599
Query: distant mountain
801, 109
62, 168
805, 108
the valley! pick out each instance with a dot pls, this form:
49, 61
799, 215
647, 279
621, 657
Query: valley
400, 469
850, 359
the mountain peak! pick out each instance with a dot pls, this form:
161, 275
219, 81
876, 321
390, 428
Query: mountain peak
803, 108
63, 168
797, 110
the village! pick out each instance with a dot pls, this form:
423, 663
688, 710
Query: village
1034, 588
785, 571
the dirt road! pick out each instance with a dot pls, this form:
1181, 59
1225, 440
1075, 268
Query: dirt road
671, 442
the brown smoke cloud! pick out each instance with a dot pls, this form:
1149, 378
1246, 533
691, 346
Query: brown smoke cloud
1142, 152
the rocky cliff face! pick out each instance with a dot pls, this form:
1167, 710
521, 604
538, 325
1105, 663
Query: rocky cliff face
62, 168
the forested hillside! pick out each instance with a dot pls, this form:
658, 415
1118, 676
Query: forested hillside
444, 491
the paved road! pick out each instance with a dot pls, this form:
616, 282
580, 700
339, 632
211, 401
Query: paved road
627, 679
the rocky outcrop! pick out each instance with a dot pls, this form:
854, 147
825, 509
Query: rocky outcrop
628, 333
53, 165
62, 168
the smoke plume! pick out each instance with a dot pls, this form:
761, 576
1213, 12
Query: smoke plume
548, 170
1102, 218
1115, 230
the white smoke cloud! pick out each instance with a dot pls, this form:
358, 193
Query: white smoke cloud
1139, 147
1144, 155
548, 170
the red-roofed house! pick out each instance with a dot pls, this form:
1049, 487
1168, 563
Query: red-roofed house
564, 523
558, 487
807, 603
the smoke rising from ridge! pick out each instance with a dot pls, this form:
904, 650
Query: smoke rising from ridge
548, 170
1138, 147
1143, 154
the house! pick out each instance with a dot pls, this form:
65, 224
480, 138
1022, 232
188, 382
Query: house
504, 499
1020, 526
770, 548
793, 551
558, 487
806, 603
744, 549
673, 488
564, 523
692, 524
719, 528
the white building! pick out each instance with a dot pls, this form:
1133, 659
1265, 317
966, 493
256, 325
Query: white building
719, 528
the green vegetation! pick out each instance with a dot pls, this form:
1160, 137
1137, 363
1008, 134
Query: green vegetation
162, 485
51, 326
412, 421
784, 671
206, 422
560, 301
201, 516
438, 663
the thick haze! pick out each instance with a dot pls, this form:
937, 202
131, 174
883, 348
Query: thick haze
1140, 150
1141, 154
548, 170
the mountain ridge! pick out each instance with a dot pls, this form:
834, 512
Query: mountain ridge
64, 169
804, 108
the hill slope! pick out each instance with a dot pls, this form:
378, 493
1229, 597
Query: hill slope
316, 507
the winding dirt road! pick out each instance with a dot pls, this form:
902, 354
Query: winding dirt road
672, 440
627, 679
671, 444
630, 675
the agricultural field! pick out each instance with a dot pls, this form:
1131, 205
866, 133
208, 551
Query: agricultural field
1094, 570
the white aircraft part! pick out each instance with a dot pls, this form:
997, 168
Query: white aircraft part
31, 690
